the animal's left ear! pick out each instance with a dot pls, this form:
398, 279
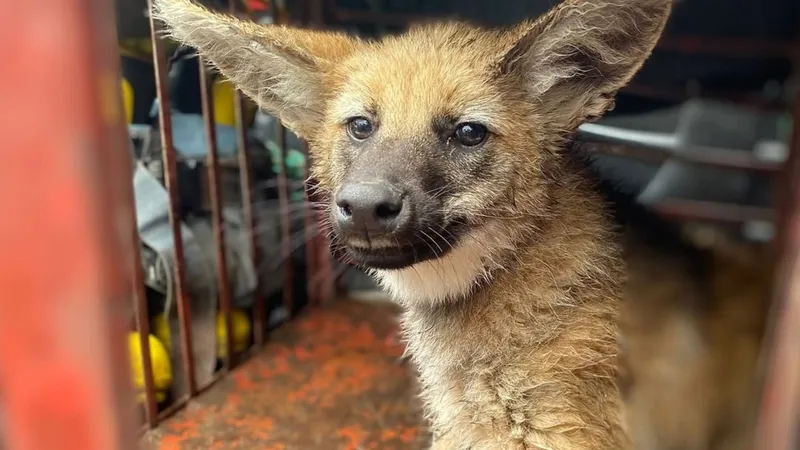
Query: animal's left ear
282, 68
574, 59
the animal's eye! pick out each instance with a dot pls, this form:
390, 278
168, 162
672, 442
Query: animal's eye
359, 128
470, 134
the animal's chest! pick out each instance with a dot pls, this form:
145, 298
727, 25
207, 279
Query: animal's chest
469, 384
478, 405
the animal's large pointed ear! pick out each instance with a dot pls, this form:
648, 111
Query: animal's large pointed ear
281, 68
574, 59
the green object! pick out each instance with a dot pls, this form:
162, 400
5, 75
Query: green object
295, 166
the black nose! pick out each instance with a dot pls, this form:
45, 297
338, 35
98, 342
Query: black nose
374, 207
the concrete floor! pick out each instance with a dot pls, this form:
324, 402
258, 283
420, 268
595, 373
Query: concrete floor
331, 379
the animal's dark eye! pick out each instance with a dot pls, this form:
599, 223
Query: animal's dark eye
359, 128
470, 134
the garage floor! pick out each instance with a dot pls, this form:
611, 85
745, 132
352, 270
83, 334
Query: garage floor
331, 379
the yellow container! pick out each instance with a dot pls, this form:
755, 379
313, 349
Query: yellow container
127, 100
159, 362
240, 325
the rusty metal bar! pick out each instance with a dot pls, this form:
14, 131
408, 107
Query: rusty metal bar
323, 277
316, 241
320, 248
314, 12
327, 290
678, 95
283, 200
777, 426
324, 264
280, 17
250, 222
66, 298
309, 222
171, 182
181, 403
215, 195
731, 46
143, 324
720, 158
712, 211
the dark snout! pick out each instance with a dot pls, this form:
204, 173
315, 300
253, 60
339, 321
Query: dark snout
372, 209
387, 225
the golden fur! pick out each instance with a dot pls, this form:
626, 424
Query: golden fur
515, 329
692, 347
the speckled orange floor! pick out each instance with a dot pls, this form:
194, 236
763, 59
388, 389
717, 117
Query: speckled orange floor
331, 379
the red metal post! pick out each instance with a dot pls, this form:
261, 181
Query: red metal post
780, 406
65, 230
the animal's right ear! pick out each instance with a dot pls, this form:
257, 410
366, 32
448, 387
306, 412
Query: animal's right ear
281, 68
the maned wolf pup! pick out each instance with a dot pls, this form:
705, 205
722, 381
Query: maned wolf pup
445, 154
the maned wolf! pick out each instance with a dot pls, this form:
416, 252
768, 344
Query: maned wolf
446, 157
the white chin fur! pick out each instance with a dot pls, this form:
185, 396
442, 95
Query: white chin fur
450, 277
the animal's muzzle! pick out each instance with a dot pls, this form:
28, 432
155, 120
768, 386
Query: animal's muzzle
372, 209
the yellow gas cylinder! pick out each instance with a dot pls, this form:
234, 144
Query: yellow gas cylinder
224, 94
240, 325
159, 362
127, 100
241, 328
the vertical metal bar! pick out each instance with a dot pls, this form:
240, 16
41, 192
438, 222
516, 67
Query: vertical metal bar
65, 299
280, 17
777, 427
317, 250
323, 262
215, 194
286, 232
316, 13
143, 324
311, 230
325, 265
246, 182
171, 182
322, 256
279, 13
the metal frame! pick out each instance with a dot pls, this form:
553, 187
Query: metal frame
319, 273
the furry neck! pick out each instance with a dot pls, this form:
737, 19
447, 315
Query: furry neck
577, 233
515, 340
